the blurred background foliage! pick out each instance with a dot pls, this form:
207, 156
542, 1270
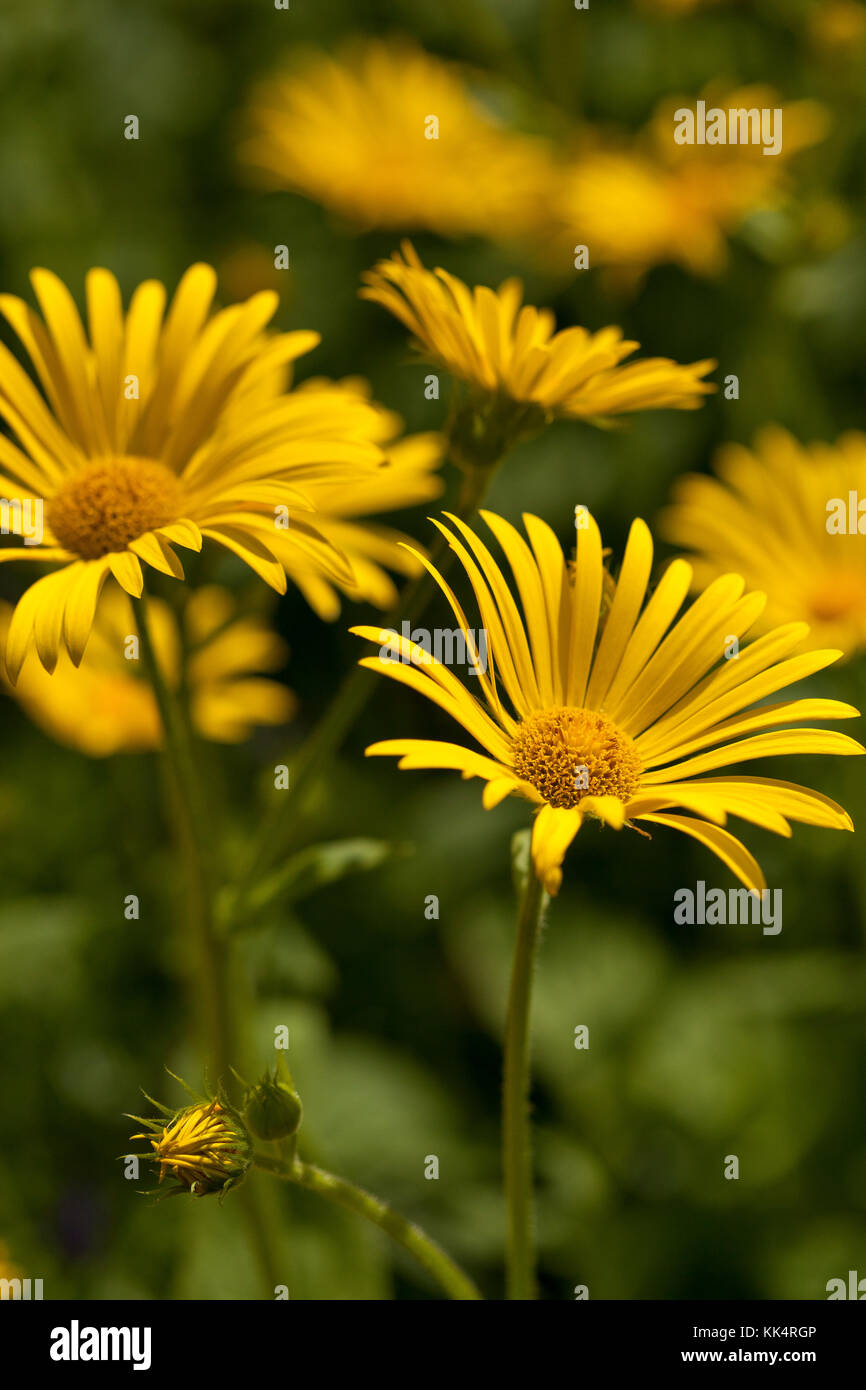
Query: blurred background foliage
704, 1041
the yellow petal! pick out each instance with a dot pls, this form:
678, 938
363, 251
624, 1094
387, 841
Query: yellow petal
552, 832
127, 571
724, 845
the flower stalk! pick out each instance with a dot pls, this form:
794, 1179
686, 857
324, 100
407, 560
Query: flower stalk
212, 996
516, 1135
441, 1268
214, 1005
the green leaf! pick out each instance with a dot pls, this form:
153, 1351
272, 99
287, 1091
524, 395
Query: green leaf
318, 865
41, 942
282, 956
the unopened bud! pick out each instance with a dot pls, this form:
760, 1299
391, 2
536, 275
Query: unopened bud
272, 1108
205, 1148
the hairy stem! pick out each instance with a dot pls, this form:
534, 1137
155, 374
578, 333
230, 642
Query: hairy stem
196, 846
448, 1275
210, 976
516, 1140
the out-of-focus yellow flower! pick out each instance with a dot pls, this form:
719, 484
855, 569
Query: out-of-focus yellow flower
514, 361
780, 515
386, 135
8, 1270
106, 705
838, 26
646, 201
631, 212
410, 476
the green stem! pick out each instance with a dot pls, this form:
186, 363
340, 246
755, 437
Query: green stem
210, 978
429, 1255
260, 1227
516, 1142
196, 843
311, 763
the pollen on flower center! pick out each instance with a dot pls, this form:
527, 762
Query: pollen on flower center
568, 754
110, 502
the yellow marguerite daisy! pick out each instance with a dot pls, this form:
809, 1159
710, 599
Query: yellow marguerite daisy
106, 705
644, 201
155, 432
634, 212
513, 353
387, 135
611, 712
780, 514
410, 476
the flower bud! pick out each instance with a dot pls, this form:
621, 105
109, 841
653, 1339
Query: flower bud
205, 1148
272, 1108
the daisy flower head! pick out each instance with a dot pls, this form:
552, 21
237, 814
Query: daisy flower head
634, 212
204, 1148
345, 512
787, 516
717, 187
387, 135
106, 706
612, 711
643, 200
518, 370
153, 430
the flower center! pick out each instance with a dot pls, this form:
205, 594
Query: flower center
568, 754
838, 595
111, 502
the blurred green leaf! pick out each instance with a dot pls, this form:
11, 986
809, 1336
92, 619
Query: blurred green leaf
40, 951
318, 865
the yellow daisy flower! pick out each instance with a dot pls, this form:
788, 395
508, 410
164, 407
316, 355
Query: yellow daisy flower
106, 705
513, 355
634, 212
644, 201
154, 433
612, 714
838, 27
410, 476
386, 135
780, 514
